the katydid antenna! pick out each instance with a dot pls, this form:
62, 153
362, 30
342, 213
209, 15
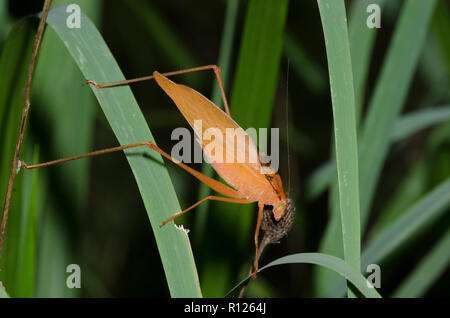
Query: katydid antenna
287, 128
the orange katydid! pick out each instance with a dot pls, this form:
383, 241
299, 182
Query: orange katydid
250, 181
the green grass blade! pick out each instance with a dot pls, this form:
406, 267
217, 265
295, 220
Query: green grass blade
319, 180
5, 21
311, 73
427, 271
17, 48
405, 127
62, 122
162, 34
125, 118
362, 40
54, 254
70, 108
412, 187
254, 86
411, 123
213, 287
385, 105
334, 24
441, 27
26, 248
226, 48
255, 83
389, 95
361, 43
329, 244
433, 70
259, 60
16, 264
417, 218
328, 261
224, 61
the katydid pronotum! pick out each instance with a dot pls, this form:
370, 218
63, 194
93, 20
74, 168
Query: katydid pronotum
250, 181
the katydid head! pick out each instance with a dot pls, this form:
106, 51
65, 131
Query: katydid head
279, 210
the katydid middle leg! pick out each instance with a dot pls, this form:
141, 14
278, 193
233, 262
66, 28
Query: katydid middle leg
215, 68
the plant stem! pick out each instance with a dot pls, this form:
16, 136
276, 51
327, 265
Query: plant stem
26, 108
265, 241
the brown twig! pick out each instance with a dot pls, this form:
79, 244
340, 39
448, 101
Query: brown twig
26, 108
273, 232
262, 245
